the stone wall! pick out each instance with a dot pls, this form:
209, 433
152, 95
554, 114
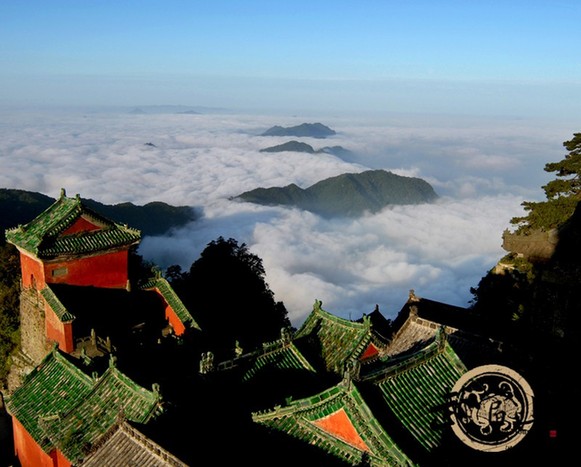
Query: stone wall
33, 343
32, 326
535, 245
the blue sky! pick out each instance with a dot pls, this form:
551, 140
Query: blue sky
491, 57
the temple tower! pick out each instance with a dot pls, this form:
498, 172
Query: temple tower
69, 244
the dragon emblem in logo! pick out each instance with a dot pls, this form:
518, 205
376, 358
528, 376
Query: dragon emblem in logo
492, 408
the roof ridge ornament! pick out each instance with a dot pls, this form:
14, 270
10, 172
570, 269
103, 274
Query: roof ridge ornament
285, 335
206, 362
156, 270
367, 320
442, 336
63, 193
351, 371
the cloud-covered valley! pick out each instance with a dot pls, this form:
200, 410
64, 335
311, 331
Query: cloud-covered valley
481, 168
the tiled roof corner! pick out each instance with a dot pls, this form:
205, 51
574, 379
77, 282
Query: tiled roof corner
59, 309
315, 420
42, 235
283, 357
61, 406
113, 396
50, 391
416, 389
172, 299
337, 339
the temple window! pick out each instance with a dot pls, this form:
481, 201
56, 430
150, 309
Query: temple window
59, 272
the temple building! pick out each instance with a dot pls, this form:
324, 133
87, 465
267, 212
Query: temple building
76, 287
79, 308
366, 399
60, 413
110, 372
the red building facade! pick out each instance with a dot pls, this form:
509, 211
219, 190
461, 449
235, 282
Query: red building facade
65, 252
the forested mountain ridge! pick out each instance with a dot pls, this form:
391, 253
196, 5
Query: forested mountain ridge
350, 194
155, 218
292, 146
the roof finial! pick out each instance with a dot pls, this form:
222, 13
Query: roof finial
63, 193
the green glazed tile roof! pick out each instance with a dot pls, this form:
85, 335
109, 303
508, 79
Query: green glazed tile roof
43, 235
284, 357
114, 396
299, 418
416, 390
50, 390
56, 305
172, 299
62, 407
336, 339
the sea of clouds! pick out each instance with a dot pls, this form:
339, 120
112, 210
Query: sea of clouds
482, 169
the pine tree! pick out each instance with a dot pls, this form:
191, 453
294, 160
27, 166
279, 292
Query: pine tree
562, 194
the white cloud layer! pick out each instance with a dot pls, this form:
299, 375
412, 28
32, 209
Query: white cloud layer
482, 169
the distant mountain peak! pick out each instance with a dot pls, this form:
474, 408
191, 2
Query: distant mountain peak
313, 130
297, 146
293, 146
349, 194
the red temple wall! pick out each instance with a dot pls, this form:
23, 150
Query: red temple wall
107, 270
172, 317
59, 332
29, 453
59, 459
175, 322
339, 425
81, 225
370, 351
32, 272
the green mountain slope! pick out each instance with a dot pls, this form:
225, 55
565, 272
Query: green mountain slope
348, 194
293, 146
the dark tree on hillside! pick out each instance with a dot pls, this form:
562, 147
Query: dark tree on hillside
140, 270
502, 302
226, 292
562, 194
9, 305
